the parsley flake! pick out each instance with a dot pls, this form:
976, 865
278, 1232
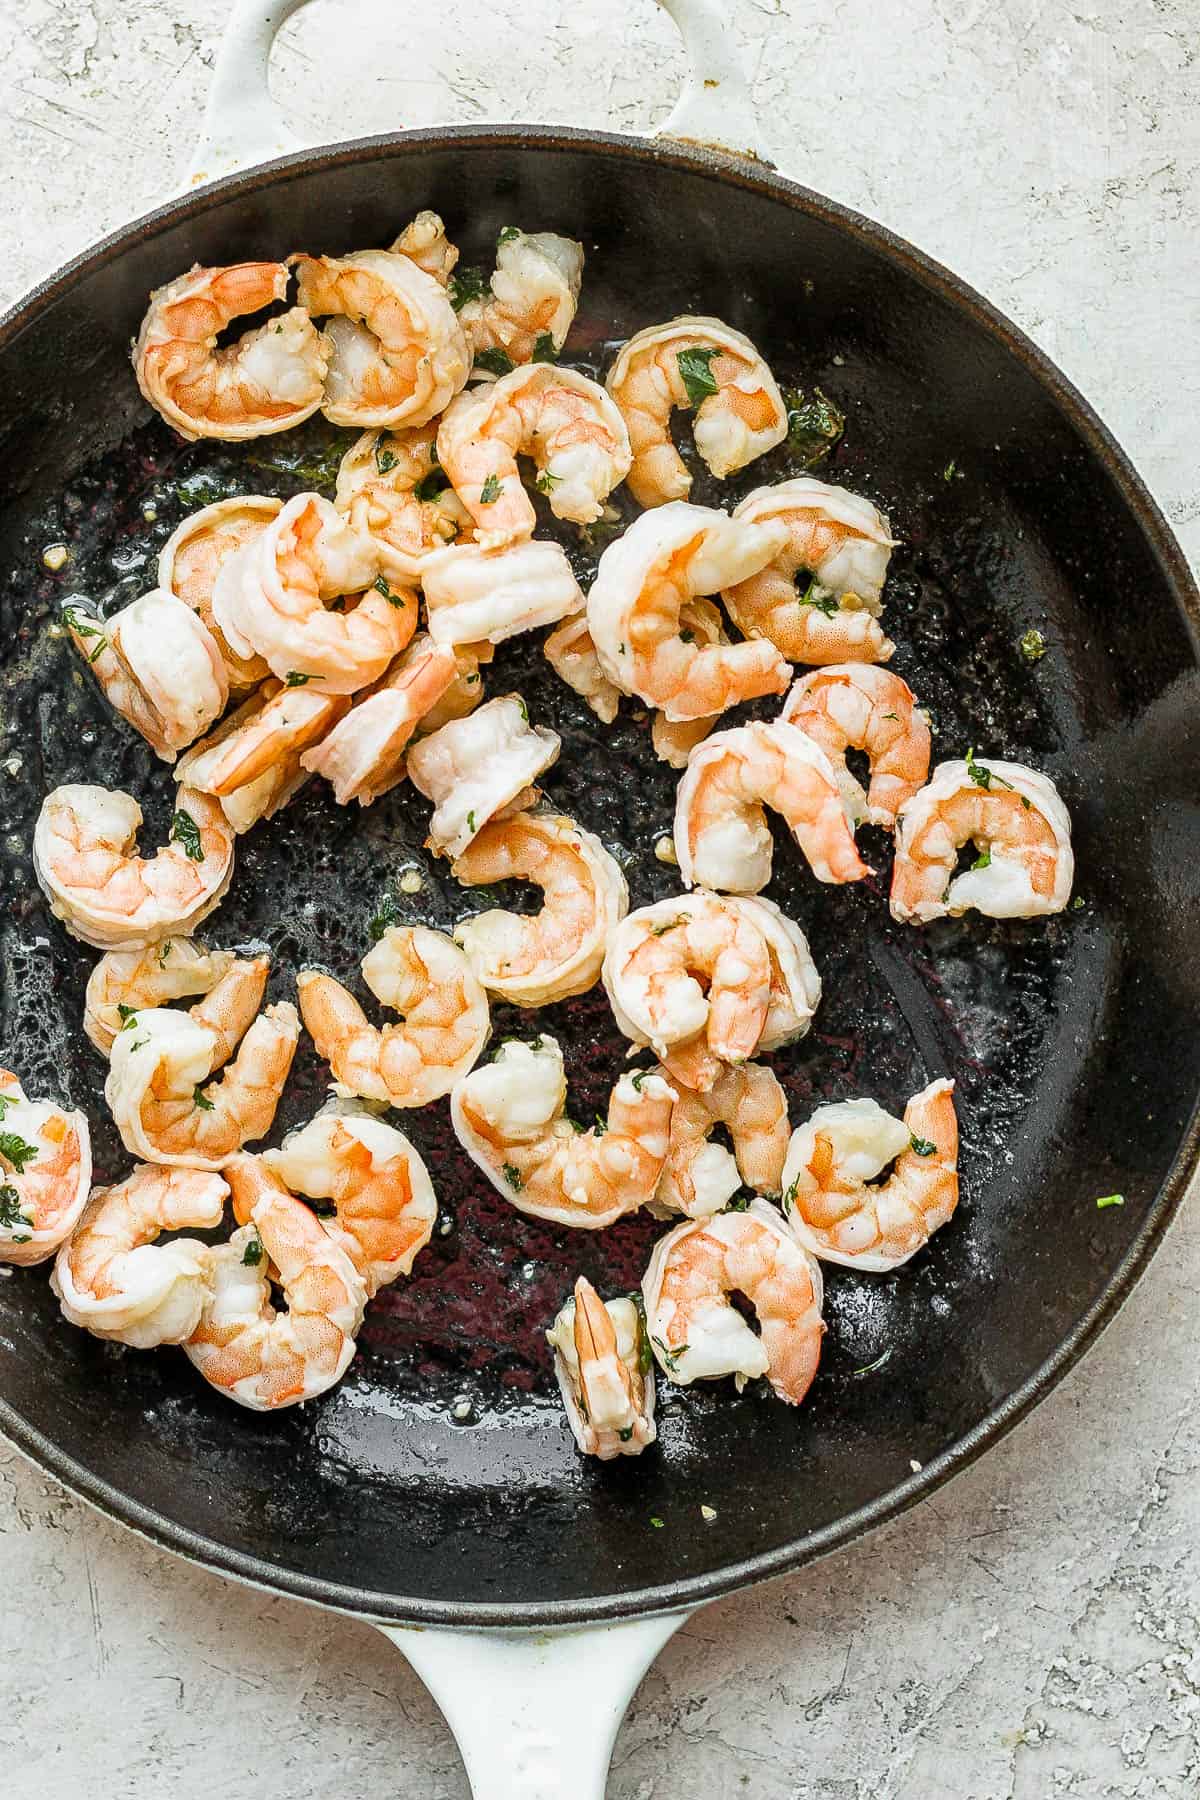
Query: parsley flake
546, 482
513, 1177
466, 285
814, 425
186, 832
544, 348
297, 678
128, 1015
983, 860
84, 626
381, 586
10, 1210
201, 1100
670, 1358
495, 361
815, 595
507, 234
1109, 1200
431, 486
17, 1151
385, 459
983, 777
490, 491
696, 374
252, 1255
921, 1146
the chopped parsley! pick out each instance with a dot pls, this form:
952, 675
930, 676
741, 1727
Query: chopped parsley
10, 1211
600, 1127
1033, 645
739, 1203
128, 1015
17, 1151
496, 361
84, 626
546, 482
921, 1146
513, 1177
983, 860
656, 1522
639, 1078
870, 1368
186, 832
789, 1195
385, 459
671, 925
686, 636
544, 349
507, 234
951, 470
297, 678
696, 374
814, 425
626, 1434
470, 821
645, 1356
1110, 1200
386, 914
983, 777
381, 586
466, 285
490, 491
5, 1103
670, 1358
252, 1255
164, 950
431, 485
201, 1100
815, 595
524, 709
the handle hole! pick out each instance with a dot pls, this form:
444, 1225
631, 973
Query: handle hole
348, 68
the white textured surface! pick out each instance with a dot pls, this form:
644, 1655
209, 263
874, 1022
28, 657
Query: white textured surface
1034, 1631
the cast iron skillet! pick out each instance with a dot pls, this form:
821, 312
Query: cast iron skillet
1074, 1041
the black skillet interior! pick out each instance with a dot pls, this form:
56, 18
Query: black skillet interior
1074, 1041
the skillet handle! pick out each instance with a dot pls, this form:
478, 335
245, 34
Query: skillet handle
536, 1714
243, 126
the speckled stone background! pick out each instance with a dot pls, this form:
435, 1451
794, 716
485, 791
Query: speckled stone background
1034, 1631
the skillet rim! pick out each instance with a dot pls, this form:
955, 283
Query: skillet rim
760, 178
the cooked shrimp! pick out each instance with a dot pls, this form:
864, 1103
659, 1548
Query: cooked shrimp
858, 706
45, 1172
695, 1026
474, 595
272, 597
695, 363
534, 293
269, 380
191, 558
158, 665
399, 354
843, 544
565, 422
257, 1356
242, 730
465, 692
795, 987
108, 897
424, 242
363, 756
124, 980
268, 735
674, 740
722, 839
112, 1279
509, 1118
1015, 818
700, 1177
475, 767
445, 1021
697, 1335
830, 1205
636, 612
572, 655
159, 1066
605, 1373
536, 959
384, 1204
392, 490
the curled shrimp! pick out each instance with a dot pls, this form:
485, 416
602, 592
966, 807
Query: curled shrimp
384, 1206
474, 595
112, 899
699, 363
257, 725
266, 736
45, 1172
859, 706
605, 1373
795, 986
722, 838
391, 489
125, 980
572, 655
842, 543
158, 665
533, 295
565, 422
636, 604
536, 959
363, 756
445, 1021
691, 977
473, 768
700, 1177
509, 1117
272, 597
398, 353
191, 558
269, 380
830, 1206
114, 1280
1016, 819
464, 693
674, 740
160, 1063
247, 1350
424, 242
697, 1335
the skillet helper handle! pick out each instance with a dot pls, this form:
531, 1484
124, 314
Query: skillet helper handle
243, 126
536, 1714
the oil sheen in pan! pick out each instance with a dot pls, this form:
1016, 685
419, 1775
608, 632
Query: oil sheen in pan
462, 1342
